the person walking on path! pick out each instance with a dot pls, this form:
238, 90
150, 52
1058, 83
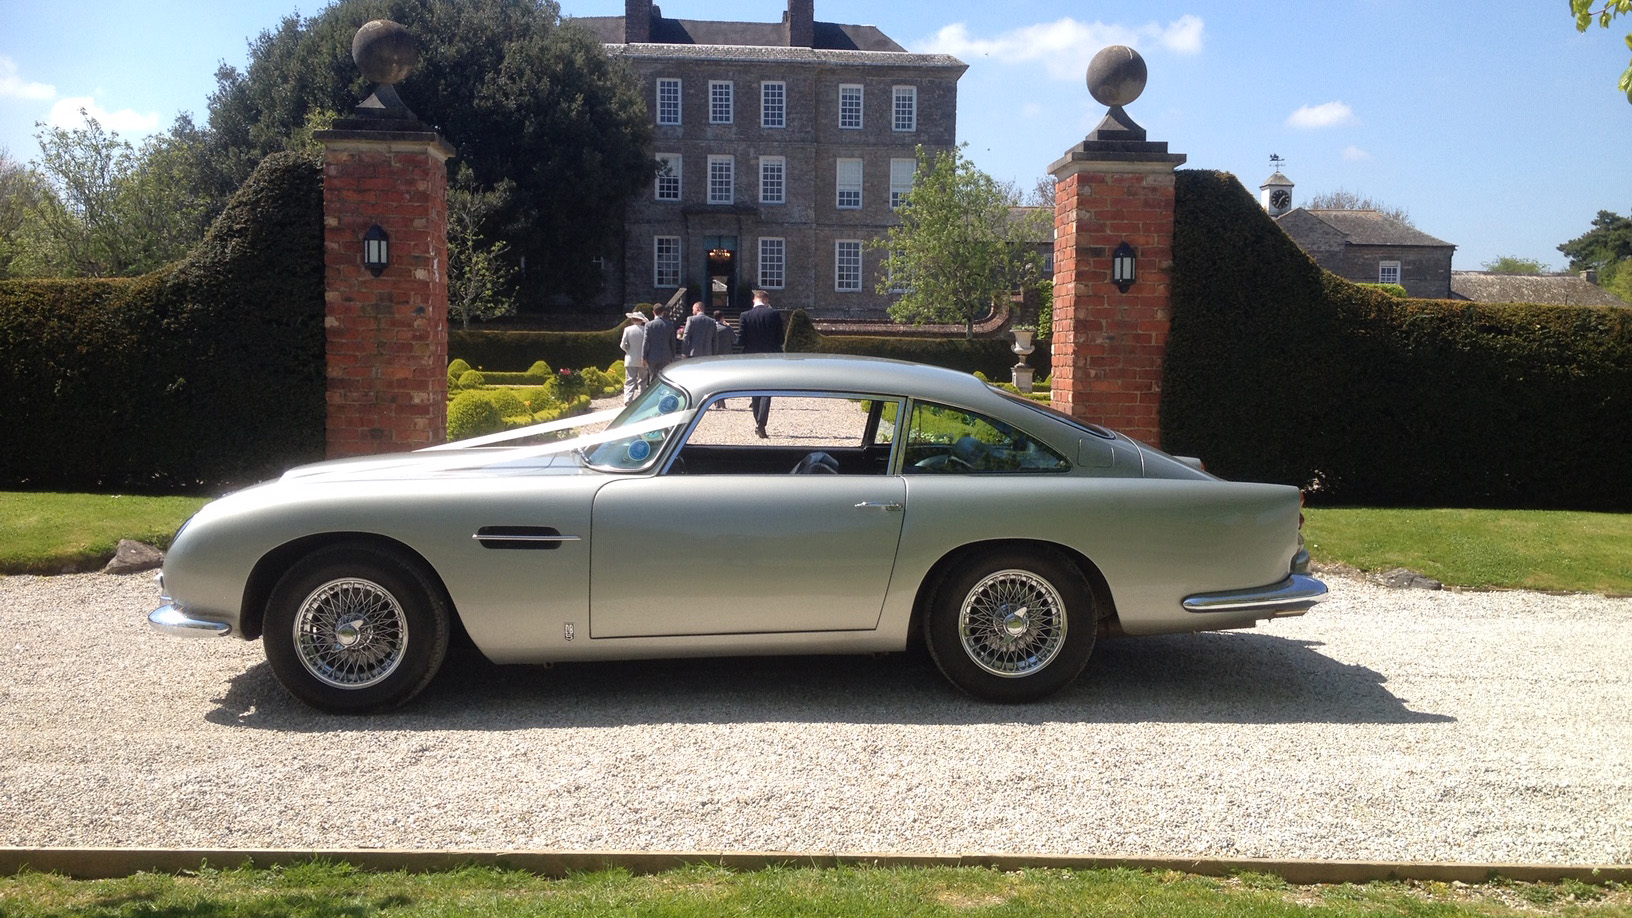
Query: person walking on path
761, 334
633, 345
700, 333
724, 337
660, 346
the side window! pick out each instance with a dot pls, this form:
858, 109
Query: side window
941, 439
851, 434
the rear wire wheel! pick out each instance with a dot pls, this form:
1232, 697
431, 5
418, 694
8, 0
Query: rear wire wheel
1012, 626
352, 629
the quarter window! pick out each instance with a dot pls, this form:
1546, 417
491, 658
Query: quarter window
773, 263
666, 261
773, 180
847, 266
668, 101
849, 184
905, 108
721, 179
773, 105
850, 106
668, 177
719, 101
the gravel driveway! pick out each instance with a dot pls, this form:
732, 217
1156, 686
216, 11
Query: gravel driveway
1391, 725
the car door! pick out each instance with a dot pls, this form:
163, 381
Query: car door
730, 539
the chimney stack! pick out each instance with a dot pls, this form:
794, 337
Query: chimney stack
801, 23
637, 21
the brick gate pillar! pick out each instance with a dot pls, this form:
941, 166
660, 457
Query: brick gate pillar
385, 179
1114, 188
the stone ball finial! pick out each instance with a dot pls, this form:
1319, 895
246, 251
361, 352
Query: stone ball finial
385, 51
1117, 75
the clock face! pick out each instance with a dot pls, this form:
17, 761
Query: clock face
1280, 198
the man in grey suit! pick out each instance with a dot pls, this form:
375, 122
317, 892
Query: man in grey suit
700, 333
724, 339
761, 334
659, 347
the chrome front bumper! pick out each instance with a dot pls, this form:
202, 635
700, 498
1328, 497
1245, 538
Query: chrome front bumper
171, 619
1292, 596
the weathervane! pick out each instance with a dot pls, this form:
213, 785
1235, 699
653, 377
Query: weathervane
1276, 162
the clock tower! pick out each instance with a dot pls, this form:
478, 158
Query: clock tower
1275, 194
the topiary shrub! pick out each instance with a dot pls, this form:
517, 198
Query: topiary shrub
473, 414
472, 379
540, 370
507, 402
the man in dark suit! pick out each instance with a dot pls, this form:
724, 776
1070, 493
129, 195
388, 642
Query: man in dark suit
761, 334
659, 348
701, 333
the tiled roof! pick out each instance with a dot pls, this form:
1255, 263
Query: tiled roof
751, 53
830, 36
1545, 289
1369, 227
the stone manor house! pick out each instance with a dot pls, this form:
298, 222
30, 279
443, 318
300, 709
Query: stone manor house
783, 149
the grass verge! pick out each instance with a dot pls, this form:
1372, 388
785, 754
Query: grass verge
341, 891
1509, 549
42, 533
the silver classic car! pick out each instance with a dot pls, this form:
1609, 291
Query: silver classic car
885, 503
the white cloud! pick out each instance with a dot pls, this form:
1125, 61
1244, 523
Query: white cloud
1354, 154
13, 86
65, 114
1331, 114
1066, 46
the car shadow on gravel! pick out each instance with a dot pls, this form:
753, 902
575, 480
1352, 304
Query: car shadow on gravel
1193, 678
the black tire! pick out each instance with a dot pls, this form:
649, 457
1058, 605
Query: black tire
1011, 625
352, 629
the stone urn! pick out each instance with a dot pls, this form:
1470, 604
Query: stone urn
1022, 349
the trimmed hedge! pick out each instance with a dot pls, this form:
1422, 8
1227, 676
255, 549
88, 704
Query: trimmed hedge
990, 356
515, 351
204, 375
1279, 371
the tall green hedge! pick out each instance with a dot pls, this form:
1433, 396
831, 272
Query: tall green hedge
990, 356
1279, 371
203, 375
515, 351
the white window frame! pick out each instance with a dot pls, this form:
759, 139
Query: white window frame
773, 180
773, 104
773, 262
847, 184
847, 265
666, 254
669, 178
1383, 270
902, 173
852, 100
668, 109
904, 108
721, 102
722, 179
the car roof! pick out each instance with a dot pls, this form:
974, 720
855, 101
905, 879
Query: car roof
834, 372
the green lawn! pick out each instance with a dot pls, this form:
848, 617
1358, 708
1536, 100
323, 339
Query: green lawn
1517, 549
49, 533
322, 891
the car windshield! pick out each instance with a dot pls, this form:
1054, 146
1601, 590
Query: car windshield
639, 450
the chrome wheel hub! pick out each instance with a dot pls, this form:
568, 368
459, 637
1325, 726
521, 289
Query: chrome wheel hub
350, 633
1012, 623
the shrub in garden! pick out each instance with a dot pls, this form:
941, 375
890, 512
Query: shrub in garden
508, 403
540, 370
473, 414
472, 379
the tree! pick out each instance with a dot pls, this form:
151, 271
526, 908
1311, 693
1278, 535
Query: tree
1343, 199
521, 94
1585, 14
1607, 250
480, 281
962, 242
22, 191
1513, 264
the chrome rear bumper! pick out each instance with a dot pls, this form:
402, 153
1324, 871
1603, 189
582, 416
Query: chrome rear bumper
1292, 596
173, 620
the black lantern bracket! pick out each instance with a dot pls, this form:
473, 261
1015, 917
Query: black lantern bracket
1124, 266
376, 250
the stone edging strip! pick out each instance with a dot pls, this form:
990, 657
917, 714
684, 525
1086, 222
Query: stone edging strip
106, 863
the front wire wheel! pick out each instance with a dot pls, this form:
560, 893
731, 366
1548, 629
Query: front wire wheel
1013, 625
354, 628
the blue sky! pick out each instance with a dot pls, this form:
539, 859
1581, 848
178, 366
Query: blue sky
1497, 126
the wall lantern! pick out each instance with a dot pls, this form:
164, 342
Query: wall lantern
1123, 271
376, 250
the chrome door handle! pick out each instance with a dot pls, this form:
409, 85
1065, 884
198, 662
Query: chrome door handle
880, 504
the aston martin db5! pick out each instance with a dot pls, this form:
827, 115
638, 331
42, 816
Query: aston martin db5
886, 503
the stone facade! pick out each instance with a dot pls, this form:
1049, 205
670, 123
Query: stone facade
861, 106
1369, 247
